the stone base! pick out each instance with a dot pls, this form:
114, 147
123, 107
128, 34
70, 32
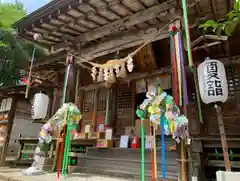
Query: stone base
33, 171
228, 176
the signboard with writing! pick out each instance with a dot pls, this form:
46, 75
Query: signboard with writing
212, 80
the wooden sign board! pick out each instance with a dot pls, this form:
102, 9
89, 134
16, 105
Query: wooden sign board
3, 105
108, 134
8, 104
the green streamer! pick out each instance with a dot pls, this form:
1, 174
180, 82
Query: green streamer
184, 6
142, 148
141, 114
66, 146
216, 153
66, 75
107, 109
231, 155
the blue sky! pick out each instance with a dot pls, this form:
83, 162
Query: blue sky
30, 5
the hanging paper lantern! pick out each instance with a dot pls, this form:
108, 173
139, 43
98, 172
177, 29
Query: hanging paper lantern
40, 106
212, 80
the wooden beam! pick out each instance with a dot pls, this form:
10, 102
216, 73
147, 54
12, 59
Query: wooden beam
130, 77
207, 45
123, 41
126, 22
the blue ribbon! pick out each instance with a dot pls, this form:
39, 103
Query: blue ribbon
162, 118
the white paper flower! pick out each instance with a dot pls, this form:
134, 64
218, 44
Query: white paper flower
129, 60
130, 66
94, 76
117, 70
105, 74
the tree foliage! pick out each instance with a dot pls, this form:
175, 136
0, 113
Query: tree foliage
15, 52
225, 26
10, 13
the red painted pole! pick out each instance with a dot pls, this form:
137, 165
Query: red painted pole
61, 153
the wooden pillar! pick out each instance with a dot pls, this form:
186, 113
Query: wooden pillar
72, 87
95, 109
76, 97
54, 101
114, 107
133, 102
11, 116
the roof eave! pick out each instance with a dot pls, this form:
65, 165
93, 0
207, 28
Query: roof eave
46, 9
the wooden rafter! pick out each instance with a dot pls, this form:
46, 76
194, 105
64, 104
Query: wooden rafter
90, 23
74, 21
127, 40
126, 22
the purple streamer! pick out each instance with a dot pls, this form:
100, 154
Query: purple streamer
185, 92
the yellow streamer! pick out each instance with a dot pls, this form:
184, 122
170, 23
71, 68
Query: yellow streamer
155, 153
178, 69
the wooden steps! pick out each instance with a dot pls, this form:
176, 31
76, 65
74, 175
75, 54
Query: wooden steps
125, 162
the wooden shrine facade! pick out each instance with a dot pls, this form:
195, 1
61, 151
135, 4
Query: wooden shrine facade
99, 30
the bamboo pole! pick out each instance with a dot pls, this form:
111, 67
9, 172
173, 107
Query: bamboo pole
183, 162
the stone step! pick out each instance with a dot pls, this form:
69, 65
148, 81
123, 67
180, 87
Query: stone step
125, 167
126, 153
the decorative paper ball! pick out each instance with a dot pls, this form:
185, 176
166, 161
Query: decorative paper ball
40, 106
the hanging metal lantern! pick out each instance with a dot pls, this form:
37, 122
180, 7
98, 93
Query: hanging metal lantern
212, 81
40, 106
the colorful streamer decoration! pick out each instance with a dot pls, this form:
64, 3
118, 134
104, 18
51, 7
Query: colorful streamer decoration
66, 146
69, 59
63, 162
175, 79
180, 83
30, 74
190, 61
180, 51
161, 110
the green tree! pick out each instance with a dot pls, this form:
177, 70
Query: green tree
15, 52
225, 26
10, 13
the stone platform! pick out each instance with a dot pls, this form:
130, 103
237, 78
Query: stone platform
15, 174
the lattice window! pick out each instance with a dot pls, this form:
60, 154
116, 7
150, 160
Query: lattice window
88, 101
124, 97
102, 100
233, 78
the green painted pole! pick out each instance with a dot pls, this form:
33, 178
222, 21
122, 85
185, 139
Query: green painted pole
66, 148
142, 150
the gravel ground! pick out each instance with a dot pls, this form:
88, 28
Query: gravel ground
12, 174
